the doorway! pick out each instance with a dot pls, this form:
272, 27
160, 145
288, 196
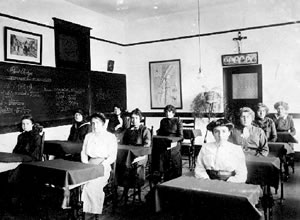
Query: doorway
242, 88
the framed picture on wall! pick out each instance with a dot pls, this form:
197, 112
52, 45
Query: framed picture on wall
165, 84
240, 59
22, 46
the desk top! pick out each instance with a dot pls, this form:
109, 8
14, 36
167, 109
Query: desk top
215, 195
136, 150
127, 153
169, 138
285, 137
12, 157
61, 172
251, 192
191, 133
263, 170
279, 148
61, 148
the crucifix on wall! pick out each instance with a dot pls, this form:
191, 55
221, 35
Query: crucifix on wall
239, 41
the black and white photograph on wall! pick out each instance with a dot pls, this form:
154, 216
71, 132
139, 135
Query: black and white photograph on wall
22, 46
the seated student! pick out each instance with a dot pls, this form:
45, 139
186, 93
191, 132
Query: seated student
79, 128
251, 138
265, 123
118, 122
138, 135
284, 123
29, 141
99, 147
170, 125
221, 159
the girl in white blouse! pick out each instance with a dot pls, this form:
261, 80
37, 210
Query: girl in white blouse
99, 147
221, 159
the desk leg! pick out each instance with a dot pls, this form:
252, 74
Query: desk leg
267, 202
281, 183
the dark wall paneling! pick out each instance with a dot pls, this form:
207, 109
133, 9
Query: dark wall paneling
50, 94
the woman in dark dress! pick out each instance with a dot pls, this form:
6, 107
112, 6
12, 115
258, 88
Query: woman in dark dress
139, 135
79, 128
29, 141
118, 122
172, 126
284, 123
264, 122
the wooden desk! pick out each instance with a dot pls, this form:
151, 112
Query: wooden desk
162, 164
191, 133
208, 199
59, 173
61, 148
9, 161
127, 153
263, 171
125, 157
285, 137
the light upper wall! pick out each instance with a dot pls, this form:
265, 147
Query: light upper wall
42, 11
277, 49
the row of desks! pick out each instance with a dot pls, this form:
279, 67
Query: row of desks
261, 171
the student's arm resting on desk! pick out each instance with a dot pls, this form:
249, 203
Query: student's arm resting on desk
292, 128
83, 155
241, 168
273, 132
200, 170
263, 149
112, 151
146, 137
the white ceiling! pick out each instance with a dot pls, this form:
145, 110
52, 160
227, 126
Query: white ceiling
139, 9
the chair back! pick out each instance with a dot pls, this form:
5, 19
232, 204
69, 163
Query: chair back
188, 123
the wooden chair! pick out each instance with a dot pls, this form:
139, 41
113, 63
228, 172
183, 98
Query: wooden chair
187, 145
135, 182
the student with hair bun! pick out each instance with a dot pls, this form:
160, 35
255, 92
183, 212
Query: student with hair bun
29, 141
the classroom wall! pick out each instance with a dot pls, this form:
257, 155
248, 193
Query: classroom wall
277, 49
43, 11
276, 46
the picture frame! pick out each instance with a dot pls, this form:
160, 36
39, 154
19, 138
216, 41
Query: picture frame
165, 84
240, 59
22, 46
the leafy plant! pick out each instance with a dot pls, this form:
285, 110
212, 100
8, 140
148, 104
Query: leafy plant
206, 102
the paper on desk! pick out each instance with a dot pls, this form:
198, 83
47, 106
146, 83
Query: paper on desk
139, 159
173, 144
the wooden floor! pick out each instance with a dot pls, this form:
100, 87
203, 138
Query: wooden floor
289, 210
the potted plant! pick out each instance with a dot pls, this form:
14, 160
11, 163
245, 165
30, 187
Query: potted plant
205, 103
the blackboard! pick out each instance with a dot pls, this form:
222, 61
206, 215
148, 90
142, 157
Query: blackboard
107, 89
51, 94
